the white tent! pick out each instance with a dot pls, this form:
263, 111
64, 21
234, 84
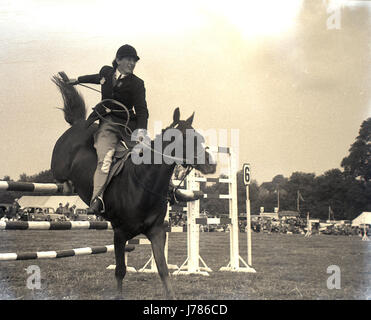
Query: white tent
51, 201
363, 218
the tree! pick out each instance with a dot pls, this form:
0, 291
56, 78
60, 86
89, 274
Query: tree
358, 162
273, 194
330, 191
346, 196
215, 206
45, 176
304, 183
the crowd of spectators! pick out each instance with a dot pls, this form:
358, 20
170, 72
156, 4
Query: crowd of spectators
61, 213
288, 225
69, 212
297, 225
291, 225
177, 220
285, 225
345, 230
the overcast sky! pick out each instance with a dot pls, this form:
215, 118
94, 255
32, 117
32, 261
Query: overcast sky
296, 90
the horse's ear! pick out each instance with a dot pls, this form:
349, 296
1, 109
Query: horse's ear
190, 119
176, 115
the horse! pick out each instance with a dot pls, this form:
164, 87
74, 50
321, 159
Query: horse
136, 198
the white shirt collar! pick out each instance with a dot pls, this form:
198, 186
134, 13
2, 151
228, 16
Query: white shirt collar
118, 73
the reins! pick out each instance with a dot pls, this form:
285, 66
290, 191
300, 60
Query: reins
126, 127
147, 189
129, 132
167, 198
125, 109
188, 171
83, 85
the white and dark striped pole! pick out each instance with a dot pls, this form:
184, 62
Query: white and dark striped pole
60, 253
30, 187
55, 225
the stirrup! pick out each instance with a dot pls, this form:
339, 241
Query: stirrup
103, 206
98, 198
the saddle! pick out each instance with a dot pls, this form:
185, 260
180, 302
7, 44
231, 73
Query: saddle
122, 154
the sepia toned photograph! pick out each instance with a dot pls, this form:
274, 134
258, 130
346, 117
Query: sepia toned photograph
199, 151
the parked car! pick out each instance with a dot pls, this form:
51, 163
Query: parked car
41, 214
86, 217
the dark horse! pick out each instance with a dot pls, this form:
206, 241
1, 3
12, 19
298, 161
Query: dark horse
136, 199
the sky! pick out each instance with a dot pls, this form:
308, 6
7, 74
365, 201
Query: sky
291, 77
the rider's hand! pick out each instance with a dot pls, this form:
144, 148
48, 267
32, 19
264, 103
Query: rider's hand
72, 81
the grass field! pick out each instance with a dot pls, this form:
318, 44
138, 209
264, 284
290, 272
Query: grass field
288, 267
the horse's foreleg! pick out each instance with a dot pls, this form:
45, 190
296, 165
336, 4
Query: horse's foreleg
158, 238
120, 271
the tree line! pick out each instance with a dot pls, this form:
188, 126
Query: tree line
340, 194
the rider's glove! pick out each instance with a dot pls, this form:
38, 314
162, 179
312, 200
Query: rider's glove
73, 82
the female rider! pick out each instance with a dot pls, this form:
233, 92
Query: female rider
119, 83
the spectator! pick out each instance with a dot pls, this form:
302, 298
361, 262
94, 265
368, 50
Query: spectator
59, 209
14, 208
309, 228
72, 213
66, 209
2, 212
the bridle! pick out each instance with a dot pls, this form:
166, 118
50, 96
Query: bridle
167, 198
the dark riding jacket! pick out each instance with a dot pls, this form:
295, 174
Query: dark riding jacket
129, 90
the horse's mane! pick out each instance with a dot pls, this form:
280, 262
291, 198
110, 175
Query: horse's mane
73, 103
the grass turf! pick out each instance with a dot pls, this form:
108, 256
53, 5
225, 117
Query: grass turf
288, 267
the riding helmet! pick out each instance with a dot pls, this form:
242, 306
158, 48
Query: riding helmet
127, 51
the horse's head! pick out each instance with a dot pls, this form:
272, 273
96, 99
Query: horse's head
192, 144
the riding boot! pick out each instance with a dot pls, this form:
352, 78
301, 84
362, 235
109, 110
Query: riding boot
97, 205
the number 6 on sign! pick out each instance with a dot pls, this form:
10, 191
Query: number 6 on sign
246, 174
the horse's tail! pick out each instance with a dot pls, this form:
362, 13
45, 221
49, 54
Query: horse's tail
74, 104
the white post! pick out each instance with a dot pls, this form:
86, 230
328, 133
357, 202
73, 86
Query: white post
233, 213
191, 264
235, 258
248, 227
194, 231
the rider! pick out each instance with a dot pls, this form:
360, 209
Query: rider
119, 83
